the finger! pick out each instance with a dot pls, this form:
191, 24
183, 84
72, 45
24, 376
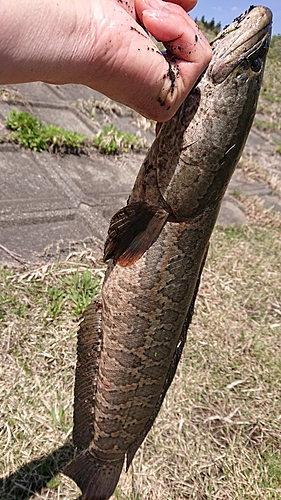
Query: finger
187, 5
130, 69
169, 23
189, 51
177, 31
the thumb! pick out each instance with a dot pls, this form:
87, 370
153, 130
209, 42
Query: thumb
131, 69
188, 53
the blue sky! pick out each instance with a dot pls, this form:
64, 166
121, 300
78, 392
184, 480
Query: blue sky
224, 11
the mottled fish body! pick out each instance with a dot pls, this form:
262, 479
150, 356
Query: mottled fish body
130, 342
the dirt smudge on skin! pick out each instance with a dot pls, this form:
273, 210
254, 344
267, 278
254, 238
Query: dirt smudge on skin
161, 102
132, 28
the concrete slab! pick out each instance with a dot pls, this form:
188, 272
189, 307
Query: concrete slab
27, 187
44, 238
231, 212
51, 204
66, 117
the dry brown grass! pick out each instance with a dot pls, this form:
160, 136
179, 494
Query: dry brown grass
218, 434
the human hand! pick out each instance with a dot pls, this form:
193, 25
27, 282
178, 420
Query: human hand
128, 67
102, 44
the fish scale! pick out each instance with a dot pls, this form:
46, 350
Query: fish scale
130, 343
147, 358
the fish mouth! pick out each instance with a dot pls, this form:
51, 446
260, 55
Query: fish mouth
240, 40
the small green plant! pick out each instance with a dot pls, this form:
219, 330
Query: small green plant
30, 133
54, 482
80, 289
27, 130
58, 415
237, 193
112, 141
56, 297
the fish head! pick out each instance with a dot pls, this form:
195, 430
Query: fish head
211, 127
241, 47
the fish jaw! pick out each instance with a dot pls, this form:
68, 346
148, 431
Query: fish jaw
240, 44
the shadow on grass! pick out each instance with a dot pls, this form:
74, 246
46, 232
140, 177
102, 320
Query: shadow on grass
35, 475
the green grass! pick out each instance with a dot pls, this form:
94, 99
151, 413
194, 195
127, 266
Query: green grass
218, 433
79, 289
30, 133
270, 96
71, 292
111, 141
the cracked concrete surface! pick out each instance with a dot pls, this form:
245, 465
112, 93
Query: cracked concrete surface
50, 204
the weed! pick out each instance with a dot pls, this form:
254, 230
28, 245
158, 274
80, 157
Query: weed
30, 133
237, 193
78, 289
56, 297
111, 141
58, 413
54, 482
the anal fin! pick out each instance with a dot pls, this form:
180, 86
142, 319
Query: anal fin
132, 231
88, 353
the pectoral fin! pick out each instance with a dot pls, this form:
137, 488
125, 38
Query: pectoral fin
132, 231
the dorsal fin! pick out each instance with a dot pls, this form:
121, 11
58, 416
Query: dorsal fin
133, 448
132, 231
88, 353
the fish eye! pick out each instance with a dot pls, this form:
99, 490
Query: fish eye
256, 65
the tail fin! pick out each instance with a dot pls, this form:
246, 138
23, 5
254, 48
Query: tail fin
96, 479
132, 231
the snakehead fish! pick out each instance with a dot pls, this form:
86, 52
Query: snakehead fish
130, 341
